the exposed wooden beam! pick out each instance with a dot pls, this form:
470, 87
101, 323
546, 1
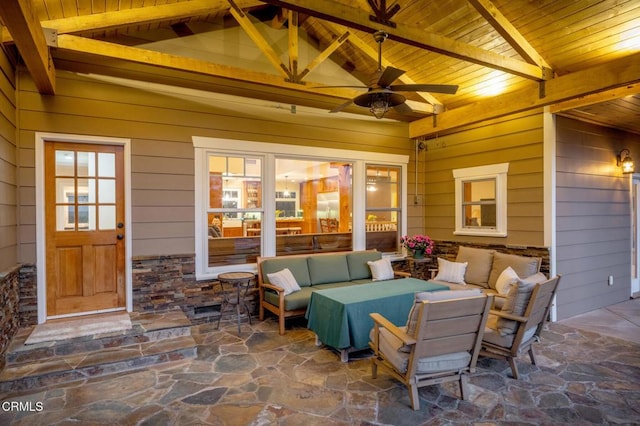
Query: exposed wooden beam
76, 44
506, 29
259, 40
30, 41
136, 16
611, 75
340, 13
293, 44
324, 54
596, 98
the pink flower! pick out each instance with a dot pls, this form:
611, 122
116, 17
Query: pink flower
417, 242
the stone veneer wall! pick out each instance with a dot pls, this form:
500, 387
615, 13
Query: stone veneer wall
161, 283
28, 295
9, 309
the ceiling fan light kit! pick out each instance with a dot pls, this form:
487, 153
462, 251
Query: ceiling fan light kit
382, 95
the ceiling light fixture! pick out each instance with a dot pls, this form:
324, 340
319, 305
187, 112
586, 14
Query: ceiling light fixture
626, 162
379, 101
286, 188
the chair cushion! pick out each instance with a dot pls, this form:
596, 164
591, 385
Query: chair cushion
357, 263
479, 263
284, 279
492, 335
389, 345
507, 278
524, 266
297, 266
381, 269
328, 268
452, 272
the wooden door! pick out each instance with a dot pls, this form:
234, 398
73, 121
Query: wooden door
84, 228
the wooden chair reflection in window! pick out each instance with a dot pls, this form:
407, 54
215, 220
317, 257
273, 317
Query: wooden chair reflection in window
328, 225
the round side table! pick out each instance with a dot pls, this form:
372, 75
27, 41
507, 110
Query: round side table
242, 283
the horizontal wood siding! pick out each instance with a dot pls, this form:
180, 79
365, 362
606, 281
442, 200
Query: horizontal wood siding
593, 216
517, 141
161, 126
8, 166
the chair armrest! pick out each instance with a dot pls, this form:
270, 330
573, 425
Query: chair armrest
401, 274
272, 287
383, 322
509, 316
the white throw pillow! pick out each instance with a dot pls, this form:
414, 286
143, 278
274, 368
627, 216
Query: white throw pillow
452, 272
381, 269
507, 278
284, 279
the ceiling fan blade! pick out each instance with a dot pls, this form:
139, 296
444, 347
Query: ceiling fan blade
341, 107
433, 88
403, 108
389, 75
338, 87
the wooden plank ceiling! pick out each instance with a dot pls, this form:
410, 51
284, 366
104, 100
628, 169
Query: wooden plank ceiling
580, 58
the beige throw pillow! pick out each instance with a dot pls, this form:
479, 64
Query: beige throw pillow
452, 272
284, 279
516, 304
381, 269
507, 278
479, 262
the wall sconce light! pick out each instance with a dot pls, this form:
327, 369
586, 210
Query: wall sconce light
627, 164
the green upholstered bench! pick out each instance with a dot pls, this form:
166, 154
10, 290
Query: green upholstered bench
312, 272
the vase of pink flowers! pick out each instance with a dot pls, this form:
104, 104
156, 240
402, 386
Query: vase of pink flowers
418, 245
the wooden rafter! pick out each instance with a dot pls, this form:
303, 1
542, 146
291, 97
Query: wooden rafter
136, 16
259, 40
506, 29
596, 98
611, 75
29, 38
332, 11
293, 44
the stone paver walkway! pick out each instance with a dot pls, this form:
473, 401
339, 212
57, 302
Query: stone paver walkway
261, 378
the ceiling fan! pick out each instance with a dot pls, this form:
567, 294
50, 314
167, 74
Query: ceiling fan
383, 95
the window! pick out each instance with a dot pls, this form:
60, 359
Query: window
383, 207
481, 200
262, 199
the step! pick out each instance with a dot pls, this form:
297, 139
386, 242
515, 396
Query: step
155, 338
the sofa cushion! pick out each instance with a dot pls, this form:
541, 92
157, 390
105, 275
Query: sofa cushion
524, 266
390, 346
297, 266
381, 269
328, 268
479, 263
284, 279
492, 335
452, 272
515, 304
293, 301
357, 263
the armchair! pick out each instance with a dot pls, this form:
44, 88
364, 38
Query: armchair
444, 346
513, 330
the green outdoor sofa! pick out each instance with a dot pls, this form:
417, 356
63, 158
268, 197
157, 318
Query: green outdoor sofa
311, 272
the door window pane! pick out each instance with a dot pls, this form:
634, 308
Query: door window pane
106, 164
65, 163
107, 215
86, 163
106, 191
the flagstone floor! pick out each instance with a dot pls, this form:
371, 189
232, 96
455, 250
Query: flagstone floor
258, 377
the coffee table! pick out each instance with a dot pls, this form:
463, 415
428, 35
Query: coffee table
340, 316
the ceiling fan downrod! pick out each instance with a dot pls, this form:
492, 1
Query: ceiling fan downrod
380, 36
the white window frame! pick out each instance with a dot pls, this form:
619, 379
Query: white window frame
203, 146
497, 172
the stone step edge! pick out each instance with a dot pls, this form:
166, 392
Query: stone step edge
44, 379
84, 344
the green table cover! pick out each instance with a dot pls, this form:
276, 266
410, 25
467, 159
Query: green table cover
340, 316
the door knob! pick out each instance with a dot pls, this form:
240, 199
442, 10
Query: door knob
120, 225
120, 236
